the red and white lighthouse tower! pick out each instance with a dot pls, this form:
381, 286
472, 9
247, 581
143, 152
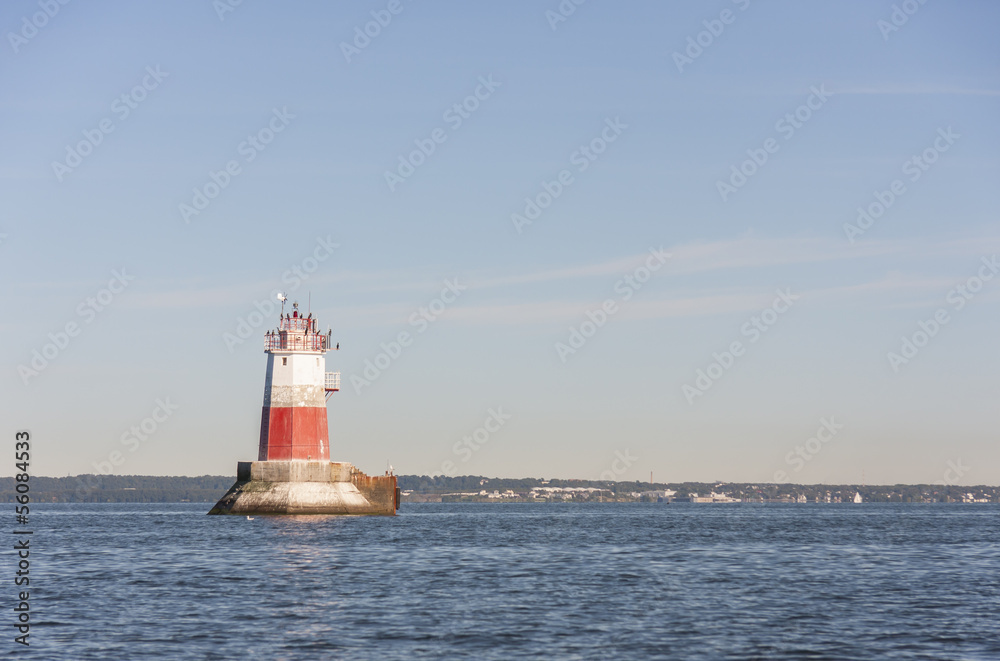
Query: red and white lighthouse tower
293, 473
293, 423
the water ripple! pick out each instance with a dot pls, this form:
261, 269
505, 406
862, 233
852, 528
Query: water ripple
510, 581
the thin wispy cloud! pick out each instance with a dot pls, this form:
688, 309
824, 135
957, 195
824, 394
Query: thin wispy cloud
399, 292
917, 90
610, 267
551, 312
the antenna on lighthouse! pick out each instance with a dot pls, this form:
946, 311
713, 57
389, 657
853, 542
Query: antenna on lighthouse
282, 298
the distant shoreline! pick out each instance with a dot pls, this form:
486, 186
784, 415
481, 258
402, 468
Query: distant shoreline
473, 488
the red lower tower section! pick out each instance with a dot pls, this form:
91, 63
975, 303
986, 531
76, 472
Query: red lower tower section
298, 432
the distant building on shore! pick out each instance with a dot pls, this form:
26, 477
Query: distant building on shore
711, 498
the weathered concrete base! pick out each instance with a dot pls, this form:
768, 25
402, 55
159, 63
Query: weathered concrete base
307, 487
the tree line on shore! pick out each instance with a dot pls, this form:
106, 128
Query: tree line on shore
209, 488
121, 489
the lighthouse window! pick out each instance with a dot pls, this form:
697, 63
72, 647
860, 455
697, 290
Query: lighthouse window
317, 362
284, 361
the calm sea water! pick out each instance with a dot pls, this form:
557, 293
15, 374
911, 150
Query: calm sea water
636, 581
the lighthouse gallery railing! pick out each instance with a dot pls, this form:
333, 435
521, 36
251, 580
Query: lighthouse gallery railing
283, 341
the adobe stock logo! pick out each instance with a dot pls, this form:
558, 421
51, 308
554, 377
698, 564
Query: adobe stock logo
927, 329
475, 441
133, 439
223, 7
565, 9
249, 149
61, 339
372, 29
899, 17
29, 28
582, 158
914, 168
454, 117
626, 288
956, 471
759, 156
797, 458
753, 329
122, 107
293, 279
421, 320
619, 466
703, 40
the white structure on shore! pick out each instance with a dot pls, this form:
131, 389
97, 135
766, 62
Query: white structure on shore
711, 498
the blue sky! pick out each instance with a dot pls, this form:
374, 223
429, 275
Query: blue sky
929, 89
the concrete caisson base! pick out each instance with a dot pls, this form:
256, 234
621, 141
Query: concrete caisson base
307, 487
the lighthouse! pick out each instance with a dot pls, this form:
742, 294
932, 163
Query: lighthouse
293, 473
293, 423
